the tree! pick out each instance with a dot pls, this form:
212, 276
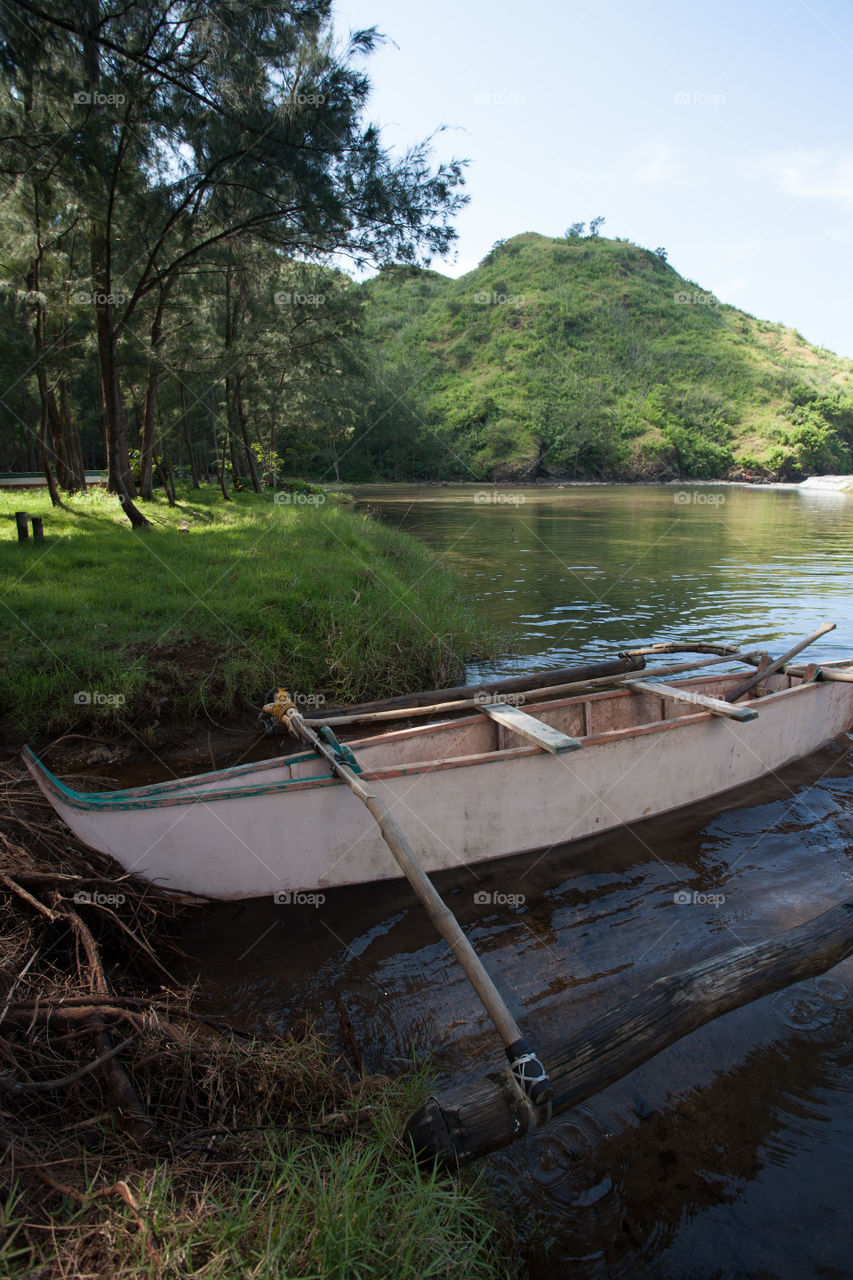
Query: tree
207, 122
575, 231
594, 226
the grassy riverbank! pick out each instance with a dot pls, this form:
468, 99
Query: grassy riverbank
107, 628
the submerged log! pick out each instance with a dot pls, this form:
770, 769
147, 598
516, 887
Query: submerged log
469, 1121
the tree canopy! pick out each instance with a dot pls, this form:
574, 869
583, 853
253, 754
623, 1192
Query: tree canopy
173, 172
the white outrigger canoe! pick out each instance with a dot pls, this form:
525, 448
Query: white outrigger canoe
464, 790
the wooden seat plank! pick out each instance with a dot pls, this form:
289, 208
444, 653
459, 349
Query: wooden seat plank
716, 705
544, 735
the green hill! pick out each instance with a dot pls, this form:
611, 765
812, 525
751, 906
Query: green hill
591, 357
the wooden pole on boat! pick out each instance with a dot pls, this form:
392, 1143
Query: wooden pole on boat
508, 684
473, 1119
526, 1071
762, 674
357, 716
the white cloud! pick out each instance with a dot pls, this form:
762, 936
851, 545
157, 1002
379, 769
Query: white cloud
656, 162
813, 175
842, 234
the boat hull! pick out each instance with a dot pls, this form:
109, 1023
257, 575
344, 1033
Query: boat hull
288, 827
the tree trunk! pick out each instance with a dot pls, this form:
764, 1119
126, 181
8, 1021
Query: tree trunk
118, 462
146, 439
146, 442
182, 392
235, 463
72, 435
218, 447
118, 458
163, 467
244, 431
43, 447
474, 1118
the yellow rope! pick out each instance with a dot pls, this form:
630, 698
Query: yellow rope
280, 709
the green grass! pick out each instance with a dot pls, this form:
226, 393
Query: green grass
297, 1205
173, 624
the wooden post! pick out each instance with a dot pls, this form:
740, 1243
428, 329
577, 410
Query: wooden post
38, 529
471, 1120
21, 519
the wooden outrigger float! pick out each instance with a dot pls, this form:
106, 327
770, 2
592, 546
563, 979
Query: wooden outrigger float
466, 1122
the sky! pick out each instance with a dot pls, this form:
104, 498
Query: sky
720, 131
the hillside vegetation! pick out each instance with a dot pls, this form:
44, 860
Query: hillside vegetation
589, 357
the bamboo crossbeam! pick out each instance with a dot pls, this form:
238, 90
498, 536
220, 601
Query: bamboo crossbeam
764, 672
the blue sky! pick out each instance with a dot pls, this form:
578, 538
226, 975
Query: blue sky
720, 131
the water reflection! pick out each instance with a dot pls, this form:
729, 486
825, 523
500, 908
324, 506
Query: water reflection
581, 571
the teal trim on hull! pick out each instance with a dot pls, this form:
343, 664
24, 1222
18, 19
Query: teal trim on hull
180, 791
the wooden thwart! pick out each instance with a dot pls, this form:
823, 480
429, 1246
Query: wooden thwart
716, 705
544, 735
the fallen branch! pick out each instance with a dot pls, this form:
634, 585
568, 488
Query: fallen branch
45, 1086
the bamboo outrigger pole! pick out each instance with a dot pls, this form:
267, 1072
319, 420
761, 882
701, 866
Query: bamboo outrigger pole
527, 1070
764, 672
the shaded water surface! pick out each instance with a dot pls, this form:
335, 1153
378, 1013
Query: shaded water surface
731, 1153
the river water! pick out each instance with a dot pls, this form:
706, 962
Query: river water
731, 1153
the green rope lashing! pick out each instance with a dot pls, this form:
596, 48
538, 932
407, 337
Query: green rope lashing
340, 749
